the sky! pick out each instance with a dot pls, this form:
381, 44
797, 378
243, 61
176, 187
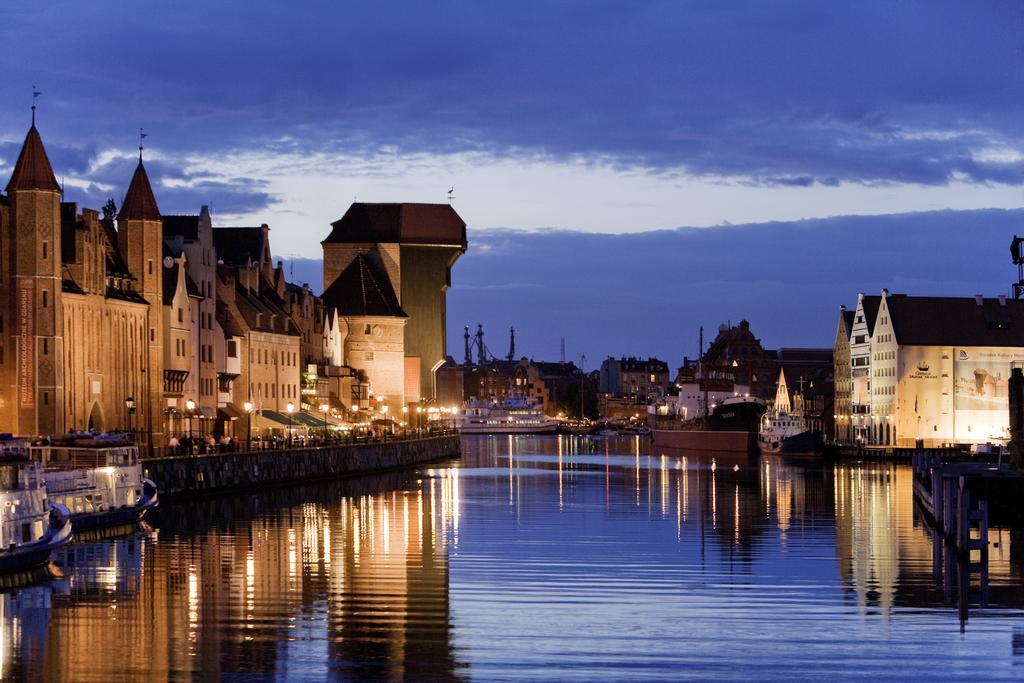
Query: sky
560, 125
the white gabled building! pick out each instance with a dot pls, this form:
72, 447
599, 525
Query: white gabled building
932, 370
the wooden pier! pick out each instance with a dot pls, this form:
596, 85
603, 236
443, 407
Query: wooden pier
958, 495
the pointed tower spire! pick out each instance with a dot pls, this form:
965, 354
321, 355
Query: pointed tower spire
32, 170
139, 203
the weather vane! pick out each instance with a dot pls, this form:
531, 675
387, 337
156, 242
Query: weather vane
35, 94
451, 194
142, 136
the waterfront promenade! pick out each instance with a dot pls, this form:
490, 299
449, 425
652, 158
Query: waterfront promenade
273, 463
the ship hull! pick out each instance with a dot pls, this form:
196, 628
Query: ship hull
802, 445
707, 441
509, 429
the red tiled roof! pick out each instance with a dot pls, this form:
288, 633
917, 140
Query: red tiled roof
139, 203
402, 223
33, 170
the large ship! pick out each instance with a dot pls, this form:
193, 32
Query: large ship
515, 414
731, 426
31, 525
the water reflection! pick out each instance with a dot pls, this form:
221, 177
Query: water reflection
533, 557
347, 581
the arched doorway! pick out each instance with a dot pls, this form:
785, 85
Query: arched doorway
96, 417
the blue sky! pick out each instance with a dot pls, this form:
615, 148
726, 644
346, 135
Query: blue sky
596, 117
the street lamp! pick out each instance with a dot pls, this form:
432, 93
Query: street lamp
190, 407
129, 403
324, 407
248, 425
291, 424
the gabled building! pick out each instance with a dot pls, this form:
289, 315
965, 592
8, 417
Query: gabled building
842, 372
406, 251
937, 367
80, 327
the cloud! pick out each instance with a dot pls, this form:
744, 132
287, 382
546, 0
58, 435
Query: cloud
792, 93
648, 293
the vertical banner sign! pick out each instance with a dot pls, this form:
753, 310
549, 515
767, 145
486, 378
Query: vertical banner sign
26, 342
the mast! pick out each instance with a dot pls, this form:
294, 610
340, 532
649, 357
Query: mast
700, 370
583, 382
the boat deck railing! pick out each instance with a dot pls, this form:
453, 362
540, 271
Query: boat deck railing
60, 458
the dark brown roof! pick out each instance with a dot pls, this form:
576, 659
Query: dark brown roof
848, 317
871, 304
949, 321
240, 246
32, 170
362, 289
139, 203
181, 226
403, 223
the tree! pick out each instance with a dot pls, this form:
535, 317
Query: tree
109, 210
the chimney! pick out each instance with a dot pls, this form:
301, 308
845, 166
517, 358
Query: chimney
1002, 300
978, 299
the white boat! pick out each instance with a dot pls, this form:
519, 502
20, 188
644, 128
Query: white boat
514, 415
786, 434
31, 525
100, 486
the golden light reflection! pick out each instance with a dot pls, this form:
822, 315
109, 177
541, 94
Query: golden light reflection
193, 604
664, 486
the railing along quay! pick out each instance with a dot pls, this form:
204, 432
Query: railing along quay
262, 445
184, 474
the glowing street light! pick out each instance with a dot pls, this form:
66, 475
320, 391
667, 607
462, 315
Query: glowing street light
248, 425
190, 408
291, 423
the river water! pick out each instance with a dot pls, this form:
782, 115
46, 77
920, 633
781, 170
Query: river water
538, 558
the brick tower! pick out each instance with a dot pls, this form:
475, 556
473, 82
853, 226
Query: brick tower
35, 404
140, 237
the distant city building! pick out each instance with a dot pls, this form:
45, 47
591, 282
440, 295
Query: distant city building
930, 370
644, 380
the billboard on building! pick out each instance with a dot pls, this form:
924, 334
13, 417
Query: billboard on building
981, 391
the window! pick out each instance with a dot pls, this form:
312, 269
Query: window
45, 245
181, 315
369, 355
232, 349
44, 298
46, 346
150, 264
367, 330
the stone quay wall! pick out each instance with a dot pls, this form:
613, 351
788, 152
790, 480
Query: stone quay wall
179, 476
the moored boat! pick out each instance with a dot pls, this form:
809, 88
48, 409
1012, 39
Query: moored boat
514, 415
100, 486
730, 427
31, 525
786, 434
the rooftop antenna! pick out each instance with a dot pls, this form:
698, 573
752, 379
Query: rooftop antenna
1017, 252
451, 194
35, 94
563, 350
142, 136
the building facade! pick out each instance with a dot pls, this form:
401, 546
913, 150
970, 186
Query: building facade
937, 369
